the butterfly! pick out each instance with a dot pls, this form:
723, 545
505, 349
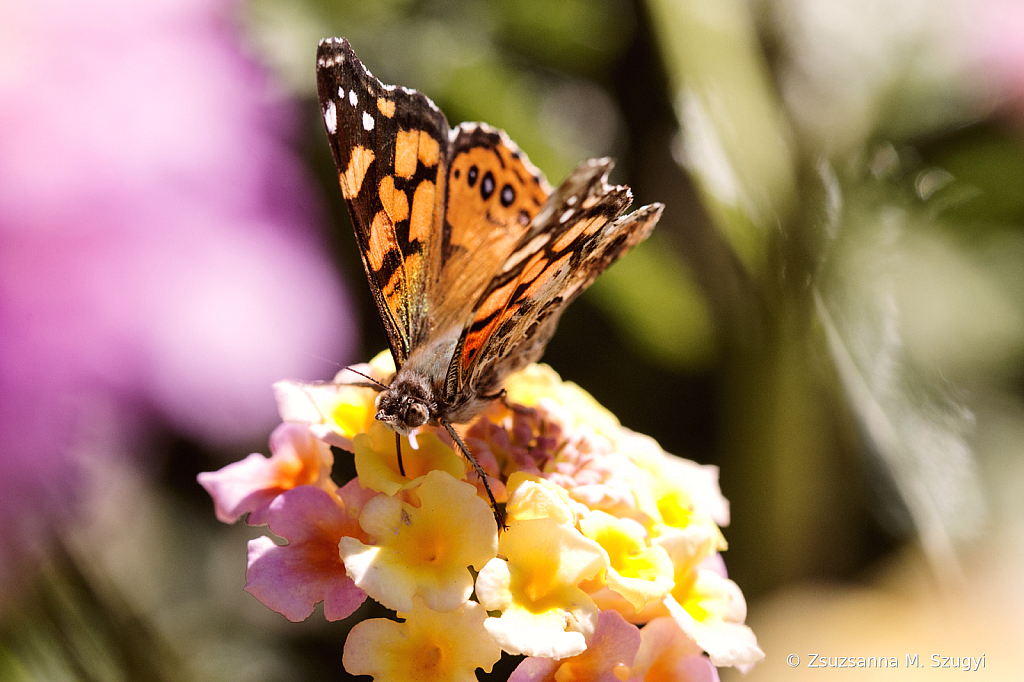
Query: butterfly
470, 255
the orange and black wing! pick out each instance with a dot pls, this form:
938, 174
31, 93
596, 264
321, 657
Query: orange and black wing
571, 241
390, 145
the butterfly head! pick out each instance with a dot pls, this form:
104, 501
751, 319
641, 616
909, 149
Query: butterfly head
406, 404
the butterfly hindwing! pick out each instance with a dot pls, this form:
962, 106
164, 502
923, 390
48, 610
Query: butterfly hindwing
390, 146
492, 194
572, 240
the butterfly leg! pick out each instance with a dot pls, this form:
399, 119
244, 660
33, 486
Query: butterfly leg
398, 449
498, 515
502, 395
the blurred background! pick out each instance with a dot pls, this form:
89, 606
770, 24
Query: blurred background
831, 309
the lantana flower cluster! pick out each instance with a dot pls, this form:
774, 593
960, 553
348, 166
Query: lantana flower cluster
609, 568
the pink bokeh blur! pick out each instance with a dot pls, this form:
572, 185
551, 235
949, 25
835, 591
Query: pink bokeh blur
160, 253
997, 38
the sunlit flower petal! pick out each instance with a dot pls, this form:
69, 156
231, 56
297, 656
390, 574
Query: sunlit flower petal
533, 497
544, 612
608, 658
291, 579
667, 655
423, 547
376, 459
689, 549
712, 614
381, 368
554, 632
427, 647
335, 411
249, 486
675, 492
642, 573
700, 481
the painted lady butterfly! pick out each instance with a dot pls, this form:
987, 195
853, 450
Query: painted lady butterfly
471, 257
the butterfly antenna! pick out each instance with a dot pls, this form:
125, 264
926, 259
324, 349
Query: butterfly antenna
498, 515
323, 359
370, 379
398, 449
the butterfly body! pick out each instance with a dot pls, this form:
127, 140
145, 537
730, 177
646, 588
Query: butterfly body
470, 254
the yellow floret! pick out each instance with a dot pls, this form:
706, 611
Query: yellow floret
428, 647
424, 544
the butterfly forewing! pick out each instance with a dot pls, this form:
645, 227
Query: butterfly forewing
390, 146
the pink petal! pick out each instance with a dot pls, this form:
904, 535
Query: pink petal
610, 649
355, 496
667, 654
249, 486
241, 487
291, 579
715, 563
534, 669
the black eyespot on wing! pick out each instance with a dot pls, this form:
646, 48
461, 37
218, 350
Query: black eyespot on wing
487, 186
456, 173
508, 195
471, 175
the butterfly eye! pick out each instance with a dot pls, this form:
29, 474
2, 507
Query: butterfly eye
416, 415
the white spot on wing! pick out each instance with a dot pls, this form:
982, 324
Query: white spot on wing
353, 99
431, 104
565, 216
367, 121
571, 200
331, 117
